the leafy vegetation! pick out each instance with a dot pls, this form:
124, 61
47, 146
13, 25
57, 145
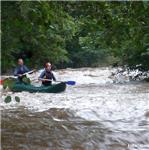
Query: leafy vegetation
8, 99
75, 34
17, 99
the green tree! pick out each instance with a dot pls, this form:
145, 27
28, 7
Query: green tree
76, 33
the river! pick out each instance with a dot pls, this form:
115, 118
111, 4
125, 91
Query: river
95, 114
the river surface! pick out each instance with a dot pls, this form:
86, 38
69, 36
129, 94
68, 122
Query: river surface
95, 114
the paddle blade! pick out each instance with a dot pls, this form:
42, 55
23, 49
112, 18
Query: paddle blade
26, 80
71, 82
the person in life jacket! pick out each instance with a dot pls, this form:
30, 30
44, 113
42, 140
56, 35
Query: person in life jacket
47, 76
20, 69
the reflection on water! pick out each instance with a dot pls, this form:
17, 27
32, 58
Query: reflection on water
93, 115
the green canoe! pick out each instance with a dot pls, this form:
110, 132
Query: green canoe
19, 87
56, 88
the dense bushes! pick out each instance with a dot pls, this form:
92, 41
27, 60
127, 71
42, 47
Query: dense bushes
74, 34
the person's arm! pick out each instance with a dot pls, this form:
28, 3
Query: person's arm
42, 75
53, 77
16, 72
26, 69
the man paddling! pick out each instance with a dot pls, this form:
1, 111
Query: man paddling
47, 75
20, 69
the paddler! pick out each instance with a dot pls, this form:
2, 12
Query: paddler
47, 74
20, 69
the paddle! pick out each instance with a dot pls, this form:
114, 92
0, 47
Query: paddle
67, 82
15, 77
30, 72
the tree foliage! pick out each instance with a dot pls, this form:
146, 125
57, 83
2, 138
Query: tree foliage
75, 34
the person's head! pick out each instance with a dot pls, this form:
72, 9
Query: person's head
20, 61
48, 66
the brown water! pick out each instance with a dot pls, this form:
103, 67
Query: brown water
95, 114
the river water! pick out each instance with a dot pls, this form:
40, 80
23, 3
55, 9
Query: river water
95, 114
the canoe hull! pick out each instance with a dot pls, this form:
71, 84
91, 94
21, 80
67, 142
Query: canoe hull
56, 88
